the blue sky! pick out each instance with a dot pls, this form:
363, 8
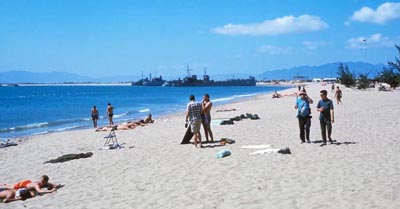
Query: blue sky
120, 37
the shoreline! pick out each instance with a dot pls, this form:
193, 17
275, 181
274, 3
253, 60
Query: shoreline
166, 115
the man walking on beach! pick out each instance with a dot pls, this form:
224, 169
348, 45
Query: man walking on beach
193, 117
338, 95
110, 113
326, 116
304, 115
206, 116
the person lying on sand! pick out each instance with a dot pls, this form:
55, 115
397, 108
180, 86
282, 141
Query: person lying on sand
130, 125
9, 195
37, 186
294, 94
124, 126
106, 128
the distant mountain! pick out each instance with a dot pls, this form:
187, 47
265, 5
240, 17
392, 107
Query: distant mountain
62, 77
58, 77
321, 71
50, 77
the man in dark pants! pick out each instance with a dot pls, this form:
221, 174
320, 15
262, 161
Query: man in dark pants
304, 115
326, 116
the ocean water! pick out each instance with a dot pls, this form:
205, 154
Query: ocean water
30, 110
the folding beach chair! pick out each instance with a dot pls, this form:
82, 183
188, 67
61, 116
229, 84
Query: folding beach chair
111, 138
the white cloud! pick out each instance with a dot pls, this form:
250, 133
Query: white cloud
283, 25
312, 45
374, 41
274, 50
384, 13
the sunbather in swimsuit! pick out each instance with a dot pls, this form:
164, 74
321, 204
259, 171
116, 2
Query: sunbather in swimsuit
95, 115
22, 184
206, 118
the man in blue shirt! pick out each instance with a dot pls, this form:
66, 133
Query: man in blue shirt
304, 115
193, 117
326, 116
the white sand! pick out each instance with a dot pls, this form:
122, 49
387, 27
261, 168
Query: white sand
363, 171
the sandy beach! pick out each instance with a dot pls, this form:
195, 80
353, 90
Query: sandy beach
154, 171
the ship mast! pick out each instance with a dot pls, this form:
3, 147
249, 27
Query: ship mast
188, 70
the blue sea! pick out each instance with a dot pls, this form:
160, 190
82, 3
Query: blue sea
31, 110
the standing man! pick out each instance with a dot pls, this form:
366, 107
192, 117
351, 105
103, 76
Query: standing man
110, 113
95, 116
304, 115
193, 117
326, 116
338, 95
206, 116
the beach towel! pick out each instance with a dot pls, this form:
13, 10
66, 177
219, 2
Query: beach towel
260, 146
264, 151
7, 144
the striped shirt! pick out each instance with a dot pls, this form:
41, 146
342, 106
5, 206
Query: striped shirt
194, 109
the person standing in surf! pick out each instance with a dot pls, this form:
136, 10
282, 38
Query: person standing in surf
110, 114
95, 116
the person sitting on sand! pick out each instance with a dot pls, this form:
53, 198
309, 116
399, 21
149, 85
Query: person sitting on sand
276, 95
9, 195
38, 185
148, 119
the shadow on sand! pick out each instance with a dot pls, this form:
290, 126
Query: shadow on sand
334, 142
209, 144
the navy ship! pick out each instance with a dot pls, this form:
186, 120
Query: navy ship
192, 80
157, 81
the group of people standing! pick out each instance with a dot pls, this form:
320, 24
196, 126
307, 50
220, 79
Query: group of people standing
95, 115
326, 116
199, 113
